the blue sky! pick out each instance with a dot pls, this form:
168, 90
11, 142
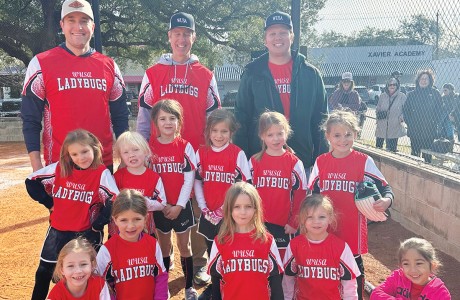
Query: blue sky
353, 15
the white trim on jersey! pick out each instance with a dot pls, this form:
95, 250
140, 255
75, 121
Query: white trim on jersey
242, 165
189, 176
158, 200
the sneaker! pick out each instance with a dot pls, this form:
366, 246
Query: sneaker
201, 277
206, 294
191, 294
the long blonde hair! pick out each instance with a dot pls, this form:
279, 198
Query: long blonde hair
82, 137
78, 245
228, 226
311, 203
267, 120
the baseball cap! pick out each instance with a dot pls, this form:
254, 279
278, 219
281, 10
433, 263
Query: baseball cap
347, 76
182, 19
70, 6
278, 18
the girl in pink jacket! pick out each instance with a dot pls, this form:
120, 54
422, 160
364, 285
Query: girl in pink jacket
416, 277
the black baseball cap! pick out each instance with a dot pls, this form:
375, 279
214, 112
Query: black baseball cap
278, 18
183, 20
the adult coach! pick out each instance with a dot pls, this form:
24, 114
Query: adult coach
281, 80
72, 86
180, 76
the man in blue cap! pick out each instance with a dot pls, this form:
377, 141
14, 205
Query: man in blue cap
283, 81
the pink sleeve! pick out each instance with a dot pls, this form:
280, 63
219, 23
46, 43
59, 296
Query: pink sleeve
161, 286
387, 289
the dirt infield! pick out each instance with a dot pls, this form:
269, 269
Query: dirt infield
24, 223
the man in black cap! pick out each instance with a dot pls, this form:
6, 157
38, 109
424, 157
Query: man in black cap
282, 80
180, 76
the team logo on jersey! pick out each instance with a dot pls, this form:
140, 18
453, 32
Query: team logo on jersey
76, 4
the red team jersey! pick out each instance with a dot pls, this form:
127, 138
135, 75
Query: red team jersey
319, 267
190, 85
150, 185
136, 267
337, 178
276, 179
70, 86
171, 161
244, 266
74, 195
218, 171
282, 75
96, 290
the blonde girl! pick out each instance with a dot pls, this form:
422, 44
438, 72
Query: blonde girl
279, 177
134, 153
75, 273
78, 191
132, 258
174, 160
315, 244
335, 174
416, 278
244, 255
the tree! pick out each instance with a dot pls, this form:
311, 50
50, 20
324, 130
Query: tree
419, 29
136, 29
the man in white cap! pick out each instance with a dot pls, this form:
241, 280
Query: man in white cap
283, 81
180, 76
68, 87
72, 86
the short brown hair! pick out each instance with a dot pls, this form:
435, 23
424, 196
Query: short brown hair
171, 107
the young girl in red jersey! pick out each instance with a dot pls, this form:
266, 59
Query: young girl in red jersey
132, 259
75, 274
174, 160
219, 164
78, 191
319, 265
134, 152
335, 174
416, 277
279, 177
245, 261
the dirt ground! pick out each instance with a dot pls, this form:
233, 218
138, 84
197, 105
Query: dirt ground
24, 223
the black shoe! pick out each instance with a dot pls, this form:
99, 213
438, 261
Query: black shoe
207, 293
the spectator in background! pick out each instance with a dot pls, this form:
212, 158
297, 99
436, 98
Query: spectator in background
345, 96
389, 113
450, 106
422, 114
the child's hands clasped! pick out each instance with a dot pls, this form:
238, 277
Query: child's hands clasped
172, 212
288, 229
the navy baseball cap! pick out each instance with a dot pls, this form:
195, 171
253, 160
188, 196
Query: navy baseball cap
278, 18
183, 20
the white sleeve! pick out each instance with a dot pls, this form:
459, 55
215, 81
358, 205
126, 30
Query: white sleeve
243, 166
189, 176
103, 259
299, 171
159, 258
288, 279
314, 176
158, 199
199, 194
105, 293
349, 289
47, 171
212, 98
107, 186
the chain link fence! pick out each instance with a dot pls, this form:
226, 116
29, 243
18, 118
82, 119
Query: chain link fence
368, 38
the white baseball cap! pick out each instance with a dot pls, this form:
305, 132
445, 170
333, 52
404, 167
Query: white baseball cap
347, 76
70, 6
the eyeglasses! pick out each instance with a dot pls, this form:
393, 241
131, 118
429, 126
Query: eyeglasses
392, 84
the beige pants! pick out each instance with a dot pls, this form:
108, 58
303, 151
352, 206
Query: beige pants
198, 243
